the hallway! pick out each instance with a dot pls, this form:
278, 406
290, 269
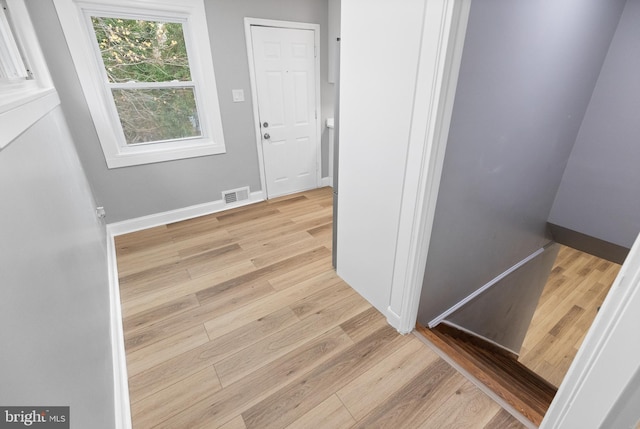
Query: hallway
237, 320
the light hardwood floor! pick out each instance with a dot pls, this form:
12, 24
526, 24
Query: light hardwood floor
237, 320
576, 288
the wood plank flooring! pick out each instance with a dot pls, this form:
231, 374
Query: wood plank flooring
497, 369
576, 288
237, 320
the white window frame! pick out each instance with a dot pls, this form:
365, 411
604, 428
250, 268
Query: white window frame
75, 18
14, 66
23, 101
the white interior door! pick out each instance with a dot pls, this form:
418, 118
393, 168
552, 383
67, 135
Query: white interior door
285, 75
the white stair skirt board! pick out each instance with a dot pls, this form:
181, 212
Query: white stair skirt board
150, 221
482, 289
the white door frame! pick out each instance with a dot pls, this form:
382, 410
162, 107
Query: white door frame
248, 22
609, 357
444, 30
601, 376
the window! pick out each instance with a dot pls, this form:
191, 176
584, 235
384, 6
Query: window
142, 66
12, 65
26, 90
147, 71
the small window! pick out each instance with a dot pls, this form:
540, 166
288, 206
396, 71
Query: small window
147, 71
12, 66
26, 90
145, 80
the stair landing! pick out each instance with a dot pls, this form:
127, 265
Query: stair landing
496, 368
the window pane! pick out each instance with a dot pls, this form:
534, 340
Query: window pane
11, 63
151, 115
142, 51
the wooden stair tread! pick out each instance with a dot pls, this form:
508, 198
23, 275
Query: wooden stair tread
496, 368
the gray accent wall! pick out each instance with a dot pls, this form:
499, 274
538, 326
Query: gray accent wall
54, 311
136, 191
600, 191
503, 313
527, 73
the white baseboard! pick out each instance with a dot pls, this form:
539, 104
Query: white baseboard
326, 181
122, 406
157, 219
120, 379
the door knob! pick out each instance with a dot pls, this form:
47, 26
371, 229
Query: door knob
265, 125
267, 136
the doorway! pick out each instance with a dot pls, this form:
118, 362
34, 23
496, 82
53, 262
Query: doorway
285, 79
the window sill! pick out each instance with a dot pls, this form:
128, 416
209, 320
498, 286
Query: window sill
17, 115
131, 158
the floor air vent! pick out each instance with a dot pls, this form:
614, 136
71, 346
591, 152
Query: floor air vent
234, 195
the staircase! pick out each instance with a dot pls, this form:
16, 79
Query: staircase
496, 368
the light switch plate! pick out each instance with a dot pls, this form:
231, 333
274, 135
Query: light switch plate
238, 95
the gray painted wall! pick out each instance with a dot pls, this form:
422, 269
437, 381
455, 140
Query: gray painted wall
131, 192
54, 310
503, 313
528, 70
600, 189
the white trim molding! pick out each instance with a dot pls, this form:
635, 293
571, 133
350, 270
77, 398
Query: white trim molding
602, 376
25, 101
17, 120
74, 16
122, 407
444, 29
171, 216
440, 318
248, 22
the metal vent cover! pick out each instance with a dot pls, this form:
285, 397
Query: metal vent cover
235, 195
